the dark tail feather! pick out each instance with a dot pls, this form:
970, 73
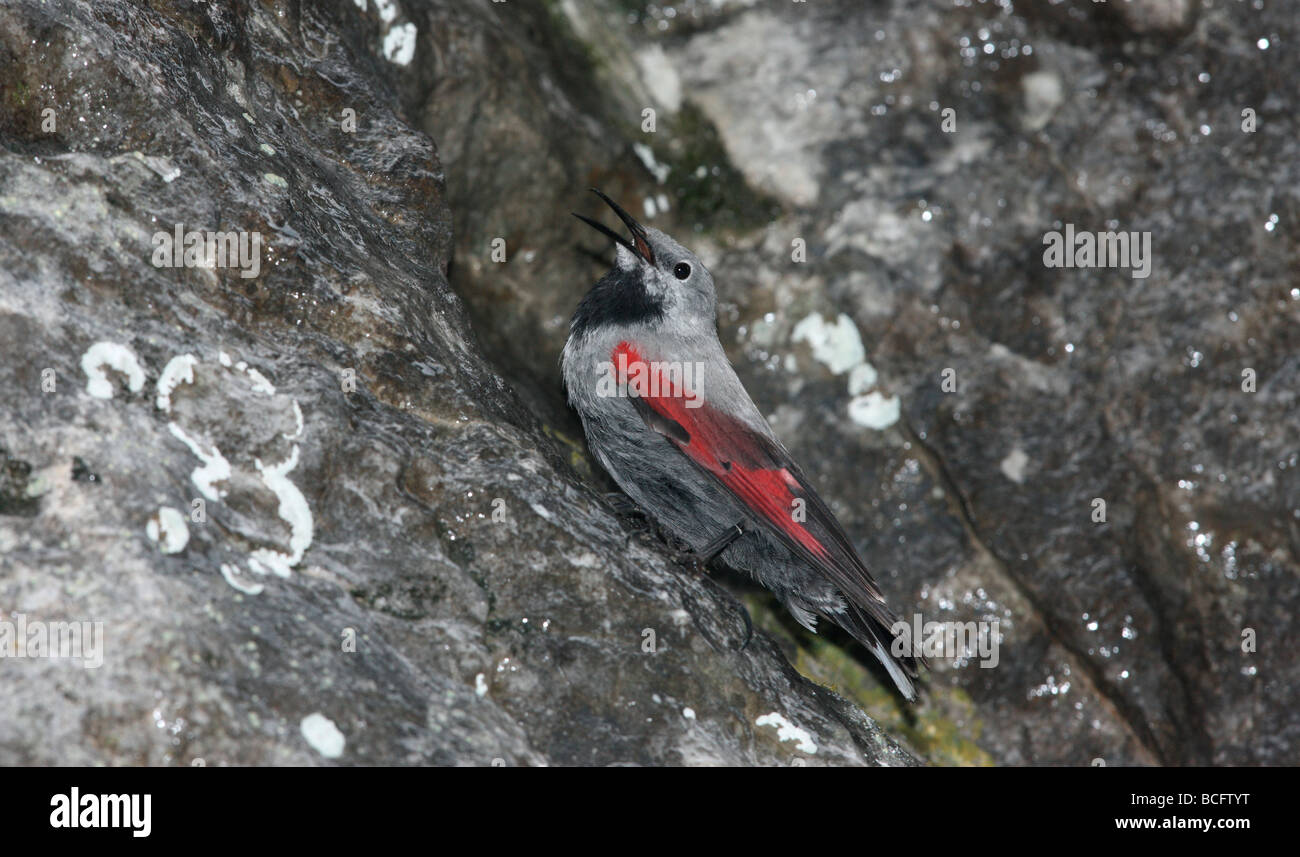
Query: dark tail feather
879, 639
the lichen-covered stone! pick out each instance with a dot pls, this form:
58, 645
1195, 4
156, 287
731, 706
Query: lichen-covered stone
389, 560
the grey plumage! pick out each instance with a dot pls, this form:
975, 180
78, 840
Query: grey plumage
697, 471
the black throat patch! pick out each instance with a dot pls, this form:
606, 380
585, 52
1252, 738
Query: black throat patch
619, 297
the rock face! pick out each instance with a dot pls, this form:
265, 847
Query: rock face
1155, 632
337, 512
310, 520
1103, 463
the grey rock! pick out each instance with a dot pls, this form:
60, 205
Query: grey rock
392, 561
1127, 640
1123, 639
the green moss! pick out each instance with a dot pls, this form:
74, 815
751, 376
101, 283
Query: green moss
930, 728
19, 493
710, 192
707, 191
578, 458
580, 61
20, 94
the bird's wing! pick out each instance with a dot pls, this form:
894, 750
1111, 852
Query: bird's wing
759, 472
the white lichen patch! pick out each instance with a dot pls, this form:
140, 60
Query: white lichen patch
293, 510
167, 529
838, 345
875, 411
180, 369
399, 39
862, 378
103, 356
291, 507
323, 736
235, 578
647, 156
215, 467
787, 731
260, 384
399, 44
1013, 466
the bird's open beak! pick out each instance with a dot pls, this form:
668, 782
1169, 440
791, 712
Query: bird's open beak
639, 245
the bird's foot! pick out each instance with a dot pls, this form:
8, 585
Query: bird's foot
749, 625
687, 558
623, 505
678, 550
699, 559
634, 521
688, 603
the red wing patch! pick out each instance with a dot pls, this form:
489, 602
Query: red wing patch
756, 469
759, 472
743, 460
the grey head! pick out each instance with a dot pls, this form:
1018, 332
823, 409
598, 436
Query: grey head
655, 282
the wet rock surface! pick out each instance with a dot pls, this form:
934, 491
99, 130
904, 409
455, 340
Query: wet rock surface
961, 406
1150, 630
315, 523
1158, 634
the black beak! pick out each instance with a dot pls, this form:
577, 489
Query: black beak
639, 245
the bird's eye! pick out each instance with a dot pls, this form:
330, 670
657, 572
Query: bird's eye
682, 271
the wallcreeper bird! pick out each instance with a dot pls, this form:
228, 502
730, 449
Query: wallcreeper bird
666, 415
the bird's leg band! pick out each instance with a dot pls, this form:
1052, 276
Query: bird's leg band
710, 552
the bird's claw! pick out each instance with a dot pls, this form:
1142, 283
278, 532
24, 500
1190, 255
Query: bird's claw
623, 505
